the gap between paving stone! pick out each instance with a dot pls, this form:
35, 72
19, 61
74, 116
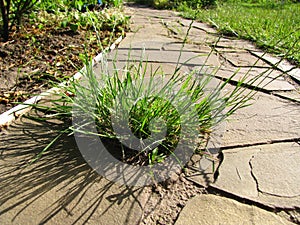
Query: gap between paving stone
282, 65
267, 174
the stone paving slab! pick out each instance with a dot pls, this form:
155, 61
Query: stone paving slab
268, 174
60, 188
295, 74
268, 119
266, 80
171, 57
215, 210
293, 96
282, 65
235, 44
240, 59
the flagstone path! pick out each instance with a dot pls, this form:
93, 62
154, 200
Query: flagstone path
258, 174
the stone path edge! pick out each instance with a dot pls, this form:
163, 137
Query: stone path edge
12, 114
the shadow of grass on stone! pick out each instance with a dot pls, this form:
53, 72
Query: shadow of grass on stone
59, 184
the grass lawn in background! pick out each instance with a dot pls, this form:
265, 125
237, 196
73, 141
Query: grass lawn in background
272, 25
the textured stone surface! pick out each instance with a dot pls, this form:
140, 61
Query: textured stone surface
291, 95
171, 57
295, 74
60, 188
267, 119
285, 160
211, 209
281, 64
257, 77
235, 44
240, 59
268, 174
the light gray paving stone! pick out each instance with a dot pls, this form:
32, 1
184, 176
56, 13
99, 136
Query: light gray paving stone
291, 95
133, 39
267, 119
240, 59
265, 78
201, 38
295, 74
176, 46
171, 57
235, 44
230, 50
283, 161
268, 174
200, 26
215, 210
281, 64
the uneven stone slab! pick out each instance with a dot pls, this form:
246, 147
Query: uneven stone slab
60, 188
295, 74
200, 26
268, 119
240, 59
268, 174
133, 39
235, 44
176, 46
257, 77
282, 65
171, 57
291, 95
211, 209
200, 38
230, 50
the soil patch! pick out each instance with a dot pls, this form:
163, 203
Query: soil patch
35, 57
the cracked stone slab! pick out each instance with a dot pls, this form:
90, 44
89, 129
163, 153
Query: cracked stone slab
240, 59
282, 161
267, 174
176, 46
201, 39
282, 65
235, 44
230, 50
267, 119
195, 35
264, 78
212, 209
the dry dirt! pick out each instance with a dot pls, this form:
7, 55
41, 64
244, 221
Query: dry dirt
34, 58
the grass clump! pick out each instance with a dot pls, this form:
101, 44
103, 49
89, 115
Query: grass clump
142, 115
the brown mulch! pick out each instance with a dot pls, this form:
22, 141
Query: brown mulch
34, 58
